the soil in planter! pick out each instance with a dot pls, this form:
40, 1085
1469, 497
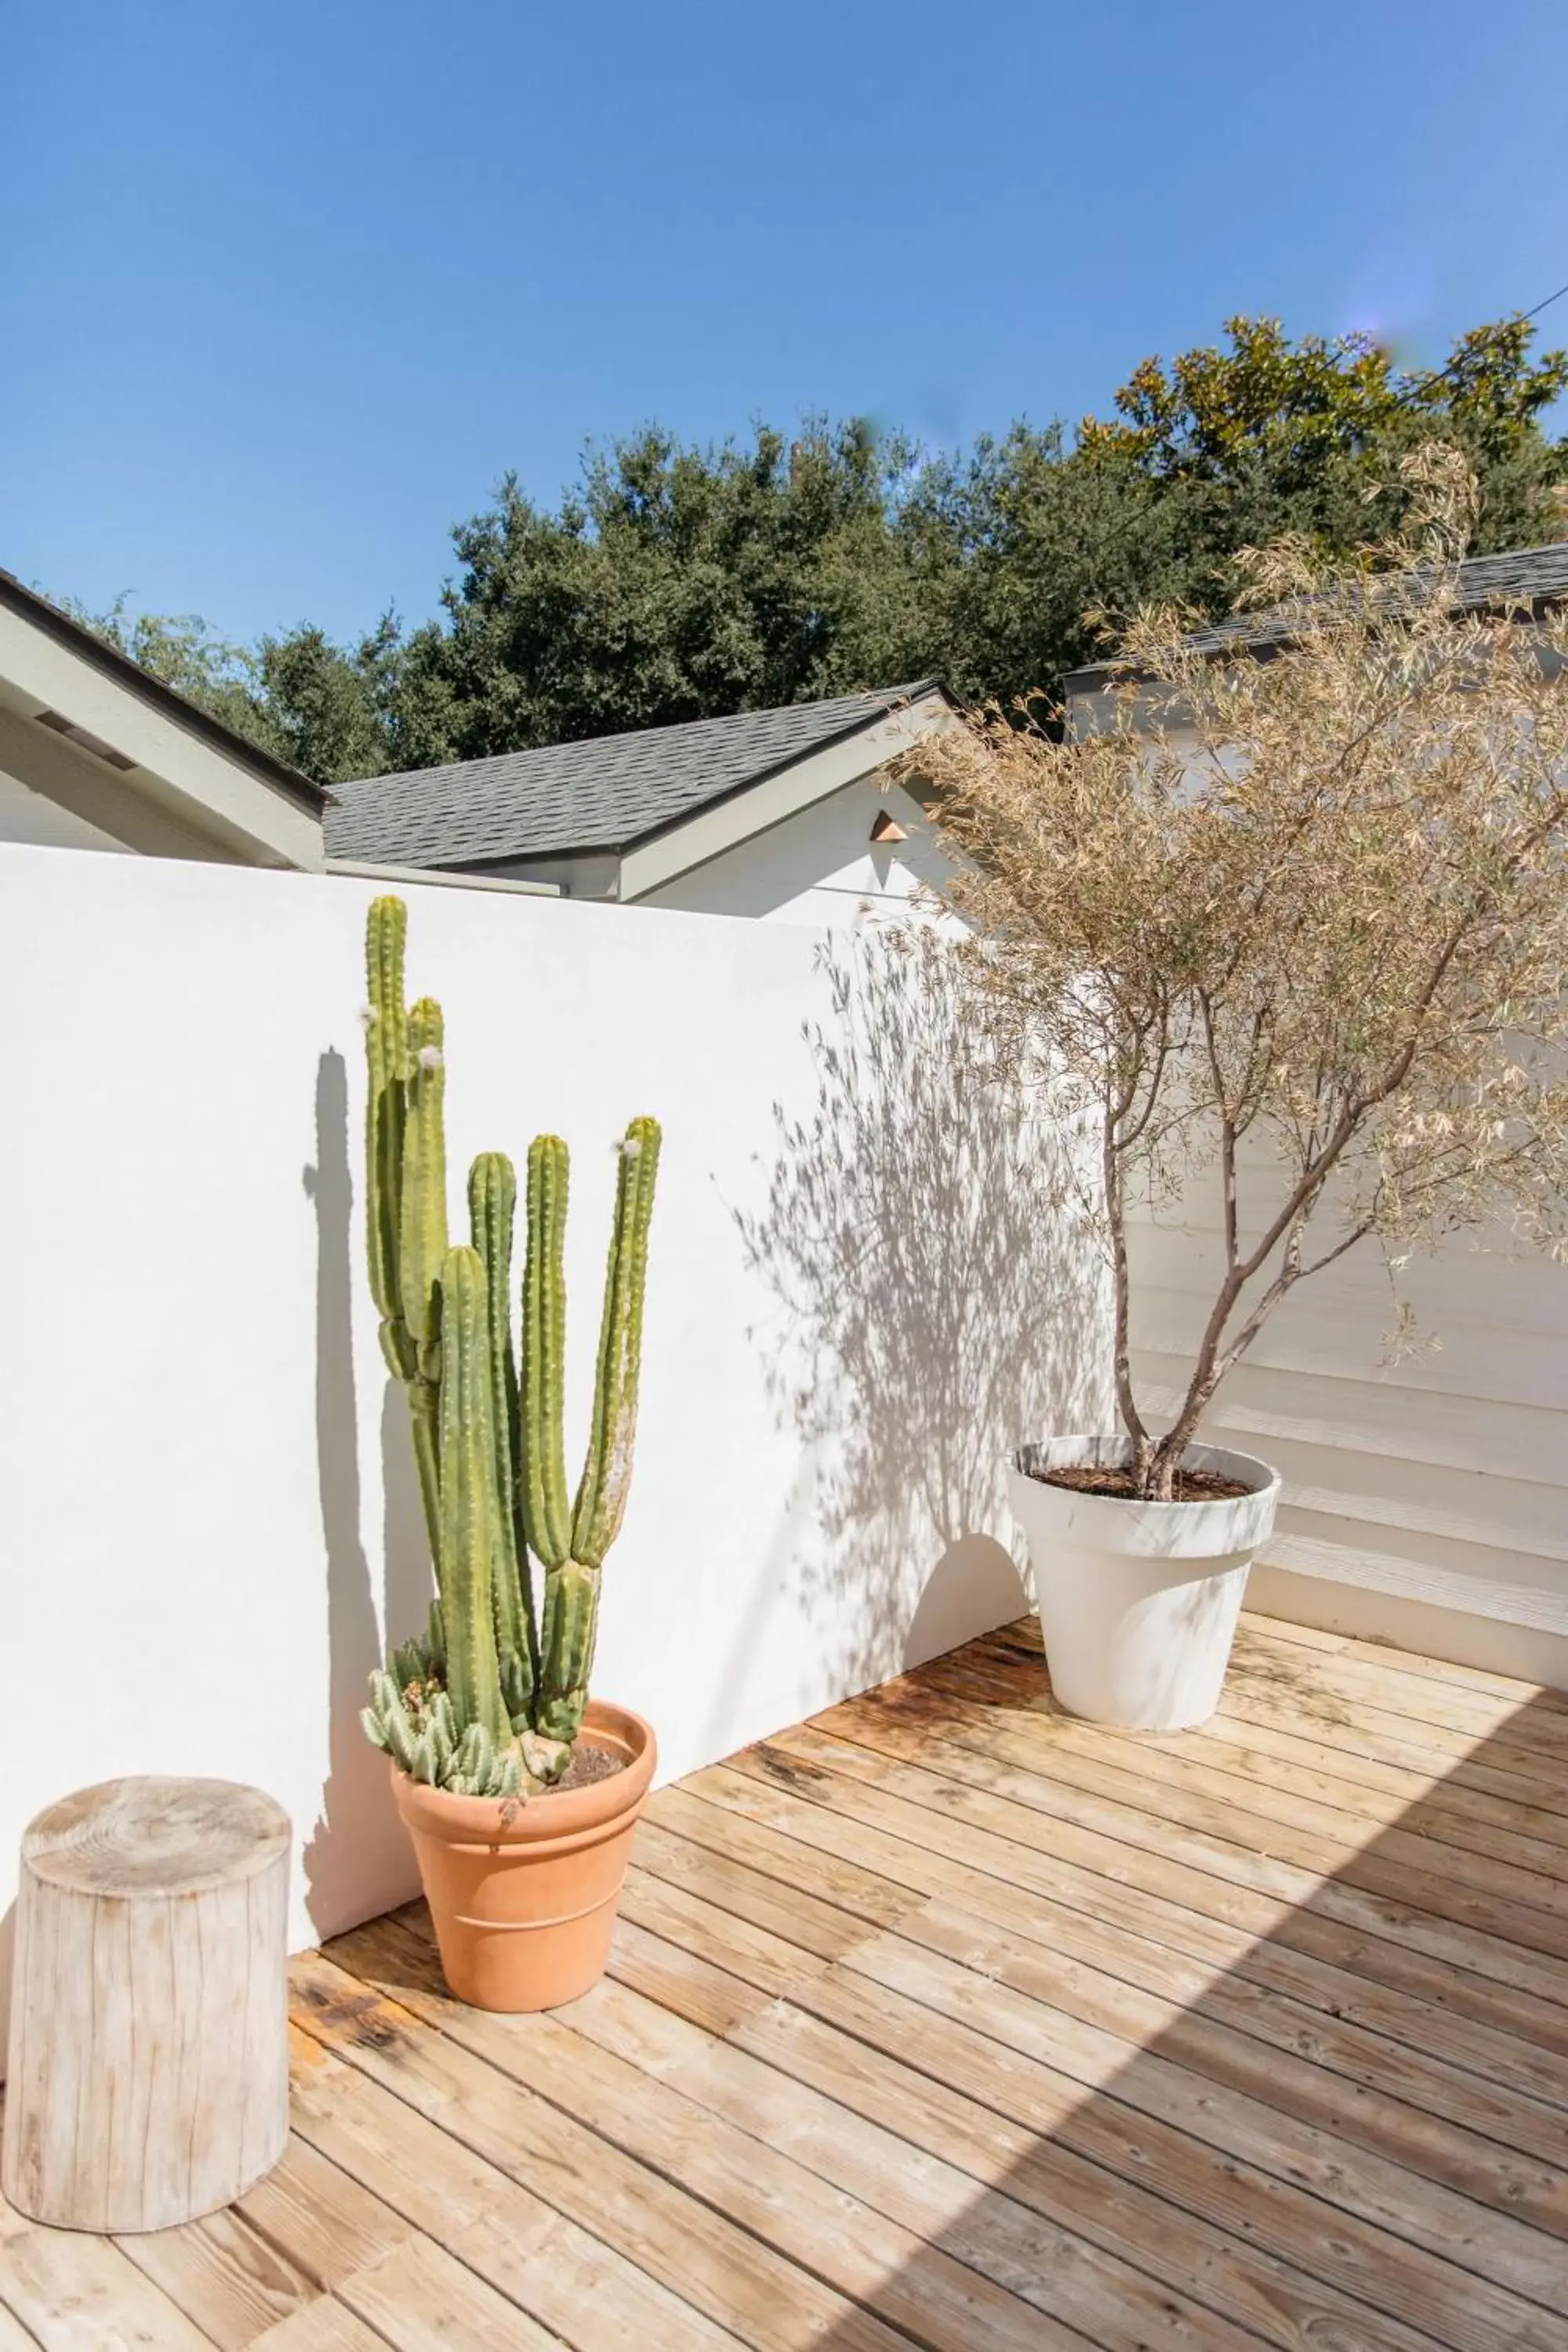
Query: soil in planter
1111, 1478
589, 1764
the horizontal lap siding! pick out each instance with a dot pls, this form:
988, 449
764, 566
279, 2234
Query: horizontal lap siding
1425, 1496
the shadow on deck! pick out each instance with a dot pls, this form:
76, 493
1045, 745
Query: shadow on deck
946, 2021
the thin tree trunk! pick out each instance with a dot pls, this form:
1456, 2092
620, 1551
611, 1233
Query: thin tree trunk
1115, 1210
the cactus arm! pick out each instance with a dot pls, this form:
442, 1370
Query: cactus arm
492, 1205
570, 1630
468, 1500
571, 1585
606, 1474
421, 1242
546, 1518
422, 1228
425, 1415
386, 1056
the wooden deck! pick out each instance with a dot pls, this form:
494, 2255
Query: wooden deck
945, 2022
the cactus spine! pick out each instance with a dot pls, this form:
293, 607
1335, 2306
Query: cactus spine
493, 1697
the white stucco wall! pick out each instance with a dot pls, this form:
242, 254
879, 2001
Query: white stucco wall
820, 867
210, 1511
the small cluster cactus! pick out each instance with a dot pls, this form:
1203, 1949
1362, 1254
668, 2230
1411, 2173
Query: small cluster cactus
491, 1702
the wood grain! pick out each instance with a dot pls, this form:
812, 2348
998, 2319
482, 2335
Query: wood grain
147, 2081
943, 2024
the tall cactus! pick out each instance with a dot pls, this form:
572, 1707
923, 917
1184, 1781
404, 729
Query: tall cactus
492, 1698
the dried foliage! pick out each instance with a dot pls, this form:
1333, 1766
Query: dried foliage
1316, 901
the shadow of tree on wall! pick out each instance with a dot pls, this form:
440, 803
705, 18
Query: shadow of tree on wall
940, 1297
1349, 2130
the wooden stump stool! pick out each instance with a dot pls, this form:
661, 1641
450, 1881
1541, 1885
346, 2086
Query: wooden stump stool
148, 2080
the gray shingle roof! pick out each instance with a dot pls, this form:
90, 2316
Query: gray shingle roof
1521, 576
604, 793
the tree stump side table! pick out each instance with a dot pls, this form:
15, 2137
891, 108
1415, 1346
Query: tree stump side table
148, 2076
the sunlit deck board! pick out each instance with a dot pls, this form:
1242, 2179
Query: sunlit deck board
943, 2021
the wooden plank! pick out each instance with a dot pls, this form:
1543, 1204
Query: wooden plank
223, 2275
1116, 2305
420, 2087
1506, 1943
1412, 1661
1449, 2129
1269, 1685
324, 2222
888, 1835
1192, 1766
1380, 1681
325, 2325
1270, 1716
1213, 2186
1187, 2254
76, 2293
1264, 1774
421, 2296
1255, 1738
945, 2008
1166, 2074
917, 2291
1381, 1737
1144, 1989
1176, 1939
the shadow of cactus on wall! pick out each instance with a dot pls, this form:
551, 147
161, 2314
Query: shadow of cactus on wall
357, 1847
940, 1297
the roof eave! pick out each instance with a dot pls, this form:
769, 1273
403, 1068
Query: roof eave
267, 768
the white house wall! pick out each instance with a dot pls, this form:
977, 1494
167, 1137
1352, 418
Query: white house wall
211, 1516
820, 867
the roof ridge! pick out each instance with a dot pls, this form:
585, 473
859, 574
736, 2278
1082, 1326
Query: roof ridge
596, 793
577, 743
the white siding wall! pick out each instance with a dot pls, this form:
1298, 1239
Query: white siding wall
819, 867
1426, 1500
210, 1513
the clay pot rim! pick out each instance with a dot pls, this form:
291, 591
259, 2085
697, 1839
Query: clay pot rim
557, 1814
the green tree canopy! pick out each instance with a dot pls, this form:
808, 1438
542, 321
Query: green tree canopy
676, 582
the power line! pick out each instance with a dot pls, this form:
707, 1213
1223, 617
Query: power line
1521, 319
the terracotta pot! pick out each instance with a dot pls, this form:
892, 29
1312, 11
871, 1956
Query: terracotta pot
524, 1895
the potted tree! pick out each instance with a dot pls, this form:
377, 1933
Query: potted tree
521, 1792
1292, 926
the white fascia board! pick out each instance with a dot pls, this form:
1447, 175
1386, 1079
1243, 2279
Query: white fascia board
442, 877
714, 830
192, 779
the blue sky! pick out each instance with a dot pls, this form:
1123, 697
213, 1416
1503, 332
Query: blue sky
284, 291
